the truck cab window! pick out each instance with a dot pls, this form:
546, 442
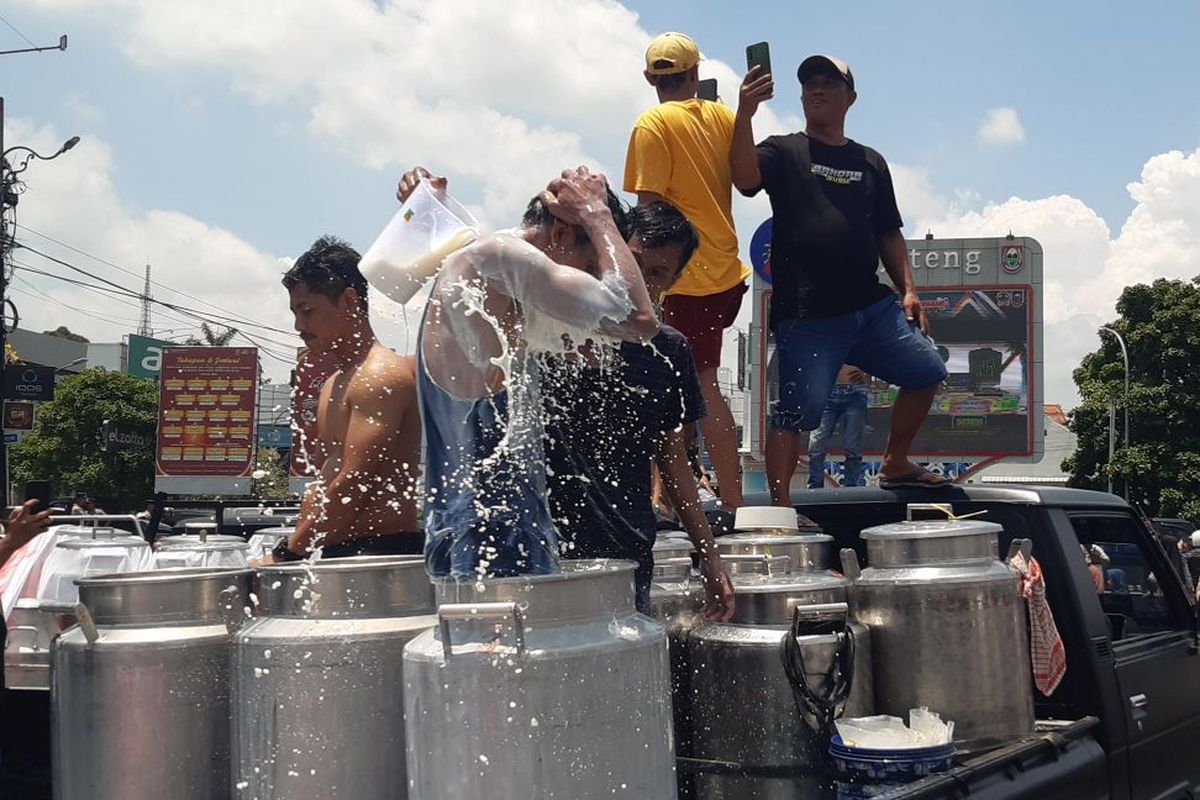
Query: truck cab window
1133, 591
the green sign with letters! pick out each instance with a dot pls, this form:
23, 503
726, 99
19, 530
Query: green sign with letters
145, 356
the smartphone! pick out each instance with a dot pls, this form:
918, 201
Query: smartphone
40, 491
759, 55
708, 89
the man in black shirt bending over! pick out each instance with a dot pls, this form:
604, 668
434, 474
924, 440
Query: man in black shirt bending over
834, 217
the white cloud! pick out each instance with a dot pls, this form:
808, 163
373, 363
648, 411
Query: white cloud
503, 95
1002, 126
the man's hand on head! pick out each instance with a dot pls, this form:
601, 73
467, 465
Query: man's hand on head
409, 180
577, 196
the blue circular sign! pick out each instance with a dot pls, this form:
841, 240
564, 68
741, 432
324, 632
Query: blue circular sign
760, 252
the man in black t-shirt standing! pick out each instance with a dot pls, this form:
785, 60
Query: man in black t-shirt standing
604, 426
834, 218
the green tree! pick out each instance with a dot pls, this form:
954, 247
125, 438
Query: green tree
64, 446
211, 338
269, 480
63, 332
1161, 325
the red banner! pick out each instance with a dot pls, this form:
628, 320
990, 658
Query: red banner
206, 412
311, 373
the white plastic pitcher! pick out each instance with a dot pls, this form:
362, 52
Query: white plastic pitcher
428, 227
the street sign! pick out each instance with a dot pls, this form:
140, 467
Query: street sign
28, 382
11, 438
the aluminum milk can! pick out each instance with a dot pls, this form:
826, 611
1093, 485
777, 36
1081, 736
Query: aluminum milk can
948, 626
318, 690
745, 712
539, 687
140, 687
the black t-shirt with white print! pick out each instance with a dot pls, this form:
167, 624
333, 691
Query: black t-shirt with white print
829, 206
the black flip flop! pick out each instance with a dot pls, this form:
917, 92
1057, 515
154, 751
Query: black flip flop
915, 480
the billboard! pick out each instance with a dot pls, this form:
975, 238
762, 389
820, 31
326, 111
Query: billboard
145, 356
206, 420
18, 415
984, 302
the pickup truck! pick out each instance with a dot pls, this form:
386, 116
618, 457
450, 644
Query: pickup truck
1125, 720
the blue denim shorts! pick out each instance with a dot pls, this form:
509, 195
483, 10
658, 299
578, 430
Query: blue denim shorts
879, 340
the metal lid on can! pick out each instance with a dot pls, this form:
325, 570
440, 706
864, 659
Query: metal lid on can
188, 541
931, 541
671, 548
167, 596
354, 587
672, 569
805, 551
771, 599
583, 589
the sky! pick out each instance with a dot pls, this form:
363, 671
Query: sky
220, 138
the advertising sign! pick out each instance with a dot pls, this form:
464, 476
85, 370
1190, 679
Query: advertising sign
28, 382
117, 436
983, 300
18, 416
145, 356
206, 418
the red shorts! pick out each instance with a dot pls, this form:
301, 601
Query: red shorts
703, 321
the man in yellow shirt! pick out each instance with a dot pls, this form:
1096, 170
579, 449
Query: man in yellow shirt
679, 152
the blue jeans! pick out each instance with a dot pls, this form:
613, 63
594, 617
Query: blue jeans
848, 402
878, 340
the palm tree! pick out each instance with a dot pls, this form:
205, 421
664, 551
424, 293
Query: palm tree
211, 337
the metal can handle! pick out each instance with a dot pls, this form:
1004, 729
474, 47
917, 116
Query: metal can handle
817, 611
850, 566
767, 561
481, 611
31, 629
86, 624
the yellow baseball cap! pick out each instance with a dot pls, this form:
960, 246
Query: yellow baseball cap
671, 53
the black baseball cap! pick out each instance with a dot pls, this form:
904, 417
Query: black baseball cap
825, 65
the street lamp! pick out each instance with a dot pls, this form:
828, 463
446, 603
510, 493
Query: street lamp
8, 201
1125, 358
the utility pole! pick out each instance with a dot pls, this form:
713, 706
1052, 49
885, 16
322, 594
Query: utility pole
21, 156
144, 325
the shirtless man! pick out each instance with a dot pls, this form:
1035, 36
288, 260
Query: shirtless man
364, 501
497, 309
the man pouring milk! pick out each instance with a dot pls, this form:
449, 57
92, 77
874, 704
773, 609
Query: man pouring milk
497, 307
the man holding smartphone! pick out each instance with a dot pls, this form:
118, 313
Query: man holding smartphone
834, 218
679, 152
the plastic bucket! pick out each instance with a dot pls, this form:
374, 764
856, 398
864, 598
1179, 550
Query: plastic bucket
868, 772
427, 228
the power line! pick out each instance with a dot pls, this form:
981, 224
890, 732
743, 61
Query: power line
206, 316
17, 32
282, 358
32, 291
119, 268
120, 291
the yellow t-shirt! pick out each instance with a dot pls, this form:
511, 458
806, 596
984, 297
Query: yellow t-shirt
680, 150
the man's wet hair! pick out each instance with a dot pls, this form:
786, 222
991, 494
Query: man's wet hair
538, 216
328, 268
660, 224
